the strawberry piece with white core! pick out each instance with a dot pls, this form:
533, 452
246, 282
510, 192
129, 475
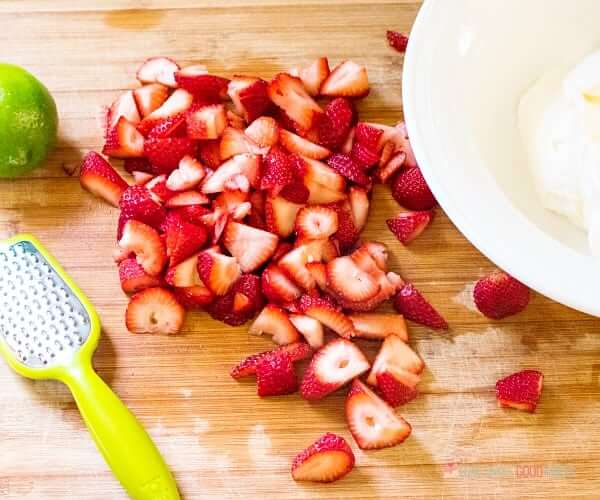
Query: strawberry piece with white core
322, 310
206, 122
242, 164
277, 287
186, 199
274, 321
310, 328
123, 106
123, 140
316, 222
378, 326
314, 75
217, 271
346, 279
250, 246
280, 215
158, 70
146, 244
99, 178
397, 387
328, 459
299, 145
348, 79
133, 278
395, 353
150, 97
154, 310
520, 390
176, 104
187, 175
288, 93
407, 226
247, 367
359, 206
185, 274
264, 131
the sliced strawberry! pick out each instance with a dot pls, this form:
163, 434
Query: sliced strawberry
191, 213
246, 164
123, 140
250, 246
410, 303
319, 173
334, 128
277, 171
154, 310
410, 190
187, 199
296, 144
314, 75
158, 70
184, 274
99, 178
146, 244
295, 191
368, 135
347, 79
288, 93
372, 422
133, 278
297, 351
332, 367
326, 460
230, 200
322, 310
378, 326
264, 131
316, 222
363, 156
407, 226
235, 142
141, 178
249, 96
347, 233
194, 297
359, 206
282, 248
201, 85
183, 239
241, 303
397, 387
217, 271
293, 264
378, 252
395, 353
318, 270
310, 329
280, 215
206, 122
521, 390
274, 321
173, 126
318, 194
187, 175
387, 152
150, 97
137, 203
397, 40
165, 154
347, 280
210, 154
349, 168
275, 375
123, 106
277, 287
216, 221
385, 172
346, 146
175, 106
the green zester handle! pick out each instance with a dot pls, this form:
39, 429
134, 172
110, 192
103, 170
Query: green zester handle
127, 448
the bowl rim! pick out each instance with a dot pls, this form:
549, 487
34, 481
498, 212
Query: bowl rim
557, 284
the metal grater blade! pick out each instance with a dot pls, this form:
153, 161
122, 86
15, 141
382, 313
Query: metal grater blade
41, 321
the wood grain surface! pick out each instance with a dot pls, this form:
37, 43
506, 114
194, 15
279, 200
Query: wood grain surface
219, 438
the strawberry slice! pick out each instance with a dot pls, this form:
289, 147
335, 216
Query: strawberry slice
411, 191
397, 40
241, 303
141, 178
321, 195
378, 326
194, 297
521, 390
203, 86
230, 200
99, 178
349, 168
347, 280
275, 375
183, 239
378, 252
187, 175
176, 105
395, 353
316, 222
332, 367
274, 321
146, 244
185, 274
310, 329
246, 164
235, 142
326, 460
217, 271
188, 199
372, 422
288, 93
280, 215
296, 192
385, 172
407, 226
335, 127
293, 264
314, 75
348, 79
133, 278
250, 246
319, 173
413, 306
173, 126
318, 270
166, 153
323, 311
158, 70
137, 203
210, 154
249, 96
347, 233
206, 122
264, 131
123, 140
149, 98
296, 144
277, 287
154, 310
123, 106
296, 351
277, 171
397, 387
359, 206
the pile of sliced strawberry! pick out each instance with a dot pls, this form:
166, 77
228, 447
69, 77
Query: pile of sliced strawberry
248, 200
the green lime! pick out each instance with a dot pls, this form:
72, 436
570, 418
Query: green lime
28, 121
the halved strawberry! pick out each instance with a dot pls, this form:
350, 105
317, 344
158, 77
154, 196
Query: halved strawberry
194, 297
296, 144
407, 226
200, 84
310, 329
137, 203
183, 239
150, 97
521, 390
347, 79
123, 106
288, 93
184, 274
146, 244
274, 321
326, 460
99, 178
413, 306
154, 310
347, 280
277, 171
359, 206
188, 173
397, 387
141, 178
328, 315
177, 104
123, 140
206, 122
235, 142
166, 153
372, 422
280, 215
385, 172
217, 271
335, 127
216, 221
133, 278
187, 199
395, 353
277, 287
264, 131
349, 168
378, 252
319, 173
297, 351
250, 246
314, 75
316, 222
378, 326
332, 367
158, 70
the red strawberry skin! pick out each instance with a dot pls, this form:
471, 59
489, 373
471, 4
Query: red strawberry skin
333, 127
297, 351
183, 238
411, 191
205, 87
408, 225
520, 390
327, 443
499, 295
397, 40
97, 172
194, 297
255, 100
277, 171
409, 302
166, 153
347, 233
133, 277
393, 392
136, 203
349, 168
275, 375
222, 309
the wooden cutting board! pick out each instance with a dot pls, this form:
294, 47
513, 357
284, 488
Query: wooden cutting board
219, 438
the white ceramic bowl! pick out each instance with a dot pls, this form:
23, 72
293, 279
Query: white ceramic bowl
467, 65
